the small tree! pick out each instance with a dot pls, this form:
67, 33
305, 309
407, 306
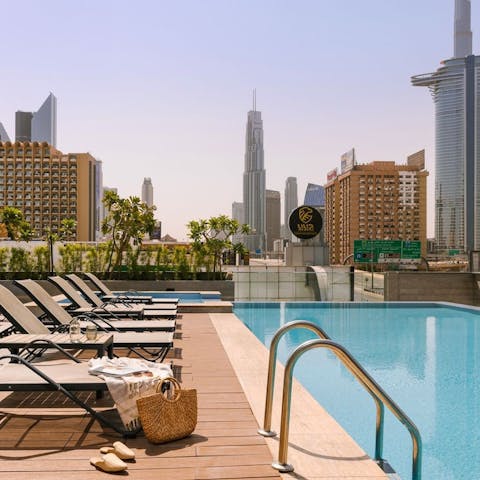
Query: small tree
20, 260
41, 256
68, 228
4, 258
16, 225
128, 220
96, 258
213, 236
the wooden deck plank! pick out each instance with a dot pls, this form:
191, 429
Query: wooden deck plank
43, 436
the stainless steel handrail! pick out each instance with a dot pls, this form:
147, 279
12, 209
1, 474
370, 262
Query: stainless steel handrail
266, 431
272, 362
365, 379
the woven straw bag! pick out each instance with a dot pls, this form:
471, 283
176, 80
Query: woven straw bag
166, 419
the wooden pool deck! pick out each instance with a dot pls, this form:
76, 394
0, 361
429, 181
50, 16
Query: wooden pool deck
50, 438
43, 436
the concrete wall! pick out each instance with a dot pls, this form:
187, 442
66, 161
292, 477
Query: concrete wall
274, 283
457, 287
281, 283
301, 254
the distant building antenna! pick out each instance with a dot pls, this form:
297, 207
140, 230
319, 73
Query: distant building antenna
254, 99
462, 31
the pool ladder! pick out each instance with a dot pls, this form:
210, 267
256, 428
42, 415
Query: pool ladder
378, 394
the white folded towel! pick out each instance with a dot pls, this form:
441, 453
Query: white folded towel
125, 389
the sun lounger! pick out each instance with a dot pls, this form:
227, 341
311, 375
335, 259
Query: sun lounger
108, 295
67, 376
94, 300
60, 317
26, 322
83, 305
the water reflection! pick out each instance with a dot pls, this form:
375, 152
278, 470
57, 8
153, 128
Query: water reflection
425, 357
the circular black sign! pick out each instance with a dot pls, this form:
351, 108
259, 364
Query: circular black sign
305, 222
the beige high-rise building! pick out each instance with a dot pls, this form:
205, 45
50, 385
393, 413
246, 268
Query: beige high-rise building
49, 186
381, 201
272, 216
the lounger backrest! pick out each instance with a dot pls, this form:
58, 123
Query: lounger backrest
98, 283
69, 291
86, 291
43, 299
18, 314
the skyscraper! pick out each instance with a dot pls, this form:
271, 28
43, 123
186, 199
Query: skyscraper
314, 195
147, 191
44, 122
23, 126
98, 199
3, 134
455, 88
254, 181
290, 203
272, 211
238, 213
39, 126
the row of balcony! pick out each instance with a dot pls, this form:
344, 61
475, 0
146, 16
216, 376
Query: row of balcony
11, 153
37, 163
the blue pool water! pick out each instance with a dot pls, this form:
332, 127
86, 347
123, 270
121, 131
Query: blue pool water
183, 297
425, 356
186, 297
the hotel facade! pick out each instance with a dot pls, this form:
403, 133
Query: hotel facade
381, 201
49, 186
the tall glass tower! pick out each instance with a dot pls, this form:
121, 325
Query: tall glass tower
455, 89
44, 122
254, 181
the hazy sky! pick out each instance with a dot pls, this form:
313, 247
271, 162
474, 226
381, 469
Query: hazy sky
161, 89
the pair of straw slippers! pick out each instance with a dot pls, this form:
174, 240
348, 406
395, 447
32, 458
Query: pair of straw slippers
113, 458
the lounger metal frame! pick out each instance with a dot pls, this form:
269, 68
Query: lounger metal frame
65, 388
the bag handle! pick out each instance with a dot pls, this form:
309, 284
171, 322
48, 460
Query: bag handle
174, 382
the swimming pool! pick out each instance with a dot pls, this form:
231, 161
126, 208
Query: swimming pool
183, 297
426, 356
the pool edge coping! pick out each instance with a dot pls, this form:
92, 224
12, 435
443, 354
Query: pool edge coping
317, 430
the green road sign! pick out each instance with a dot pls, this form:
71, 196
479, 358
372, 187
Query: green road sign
386, 251
411, 249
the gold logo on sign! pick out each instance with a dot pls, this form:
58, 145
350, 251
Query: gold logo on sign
305, 214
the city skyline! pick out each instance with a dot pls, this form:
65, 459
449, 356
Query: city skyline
165, 95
